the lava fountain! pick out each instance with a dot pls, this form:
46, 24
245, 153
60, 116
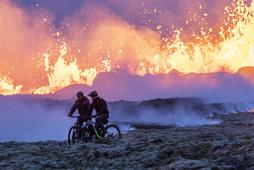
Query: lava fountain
38, 57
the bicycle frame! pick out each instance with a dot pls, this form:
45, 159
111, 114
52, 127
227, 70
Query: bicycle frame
87, 124
90, 123
88, 131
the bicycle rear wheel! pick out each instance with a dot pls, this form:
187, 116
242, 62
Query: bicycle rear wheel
112, 133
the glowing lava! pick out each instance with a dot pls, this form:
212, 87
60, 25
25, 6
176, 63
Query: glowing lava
113, 44
7, 87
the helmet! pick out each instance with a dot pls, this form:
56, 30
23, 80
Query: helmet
80, 94
93, 94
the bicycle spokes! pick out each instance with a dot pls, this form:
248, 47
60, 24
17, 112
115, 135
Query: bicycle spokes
86, 134
112, 132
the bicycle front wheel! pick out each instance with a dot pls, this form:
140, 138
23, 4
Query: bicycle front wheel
72, 130
76, 135
112, 133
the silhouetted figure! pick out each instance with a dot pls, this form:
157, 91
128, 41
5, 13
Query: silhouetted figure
83, 105
100, 105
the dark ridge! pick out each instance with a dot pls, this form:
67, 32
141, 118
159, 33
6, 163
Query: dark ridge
151, 126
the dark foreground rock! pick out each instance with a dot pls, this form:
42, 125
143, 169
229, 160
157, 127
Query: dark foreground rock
229, 145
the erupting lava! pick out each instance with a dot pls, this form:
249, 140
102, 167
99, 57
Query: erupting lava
114, 44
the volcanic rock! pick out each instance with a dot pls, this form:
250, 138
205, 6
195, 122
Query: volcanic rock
228, 145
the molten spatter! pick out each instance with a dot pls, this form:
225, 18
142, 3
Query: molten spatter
141, 51
7, 86
235, 50
61, 73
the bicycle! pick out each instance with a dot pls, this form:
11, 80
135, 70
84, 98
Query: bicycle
85, 133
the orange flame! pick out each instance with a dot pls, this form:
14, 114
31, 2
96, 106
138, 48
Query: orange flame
142, 51
7, 87
62, 74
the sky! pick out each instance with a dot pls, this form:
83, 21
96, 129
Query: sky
59, 8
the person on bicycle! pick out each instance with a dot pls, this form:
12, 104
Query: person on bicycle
83, 105
100, 105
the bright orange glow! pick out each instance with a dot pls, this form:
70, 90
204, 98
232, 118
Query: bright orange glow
62, 74
7, 87
111, 44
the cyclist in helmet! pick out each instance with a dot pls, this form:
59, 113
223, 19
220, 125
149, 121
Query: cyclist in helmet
100, 105
83, 105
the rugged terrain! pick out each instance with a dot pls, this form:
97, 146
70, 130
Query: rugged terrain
228, 145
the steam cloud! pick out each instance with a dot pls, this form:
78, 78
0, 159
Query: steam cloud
215, 87
28, 118
32, 120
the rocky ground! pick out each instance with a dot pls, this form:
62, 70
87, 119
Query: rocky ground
229, 145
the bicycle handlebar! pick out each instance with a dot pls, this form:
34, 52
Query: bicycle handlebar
74, 116
94, 116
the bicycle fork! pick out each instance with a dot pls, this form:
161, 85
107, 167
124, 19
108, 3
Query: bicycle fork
96, 133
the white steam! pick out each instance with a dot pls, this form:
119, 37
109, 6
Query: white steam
23, 120
179, 117
26, 118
